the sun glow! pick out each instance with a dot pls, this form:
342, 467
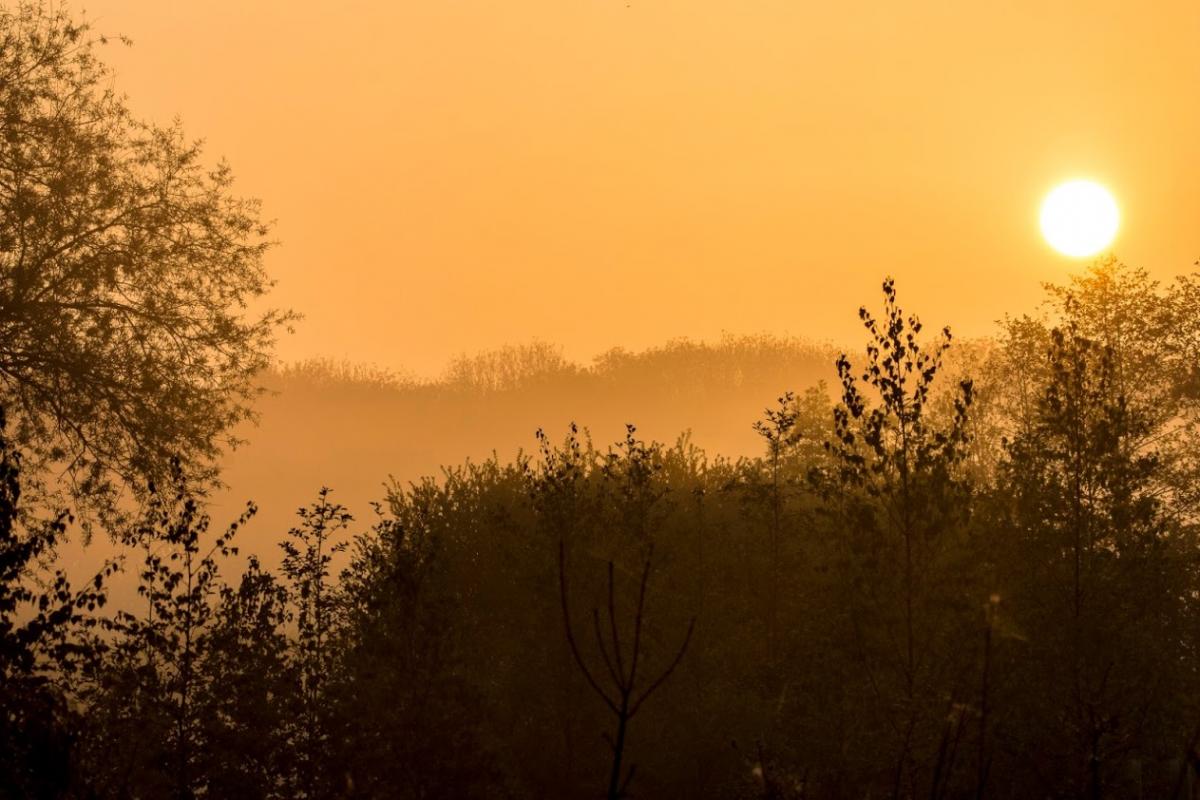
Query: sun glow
1079, 218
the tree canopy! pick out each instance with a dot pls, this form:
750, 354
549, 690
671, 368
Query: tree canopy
130, 273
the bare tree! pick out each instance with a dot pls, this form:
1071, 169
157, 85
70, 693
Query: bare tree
624, 698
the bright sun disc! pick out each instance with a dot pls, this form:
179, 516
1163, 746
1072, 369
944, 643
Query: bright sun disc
1079, 218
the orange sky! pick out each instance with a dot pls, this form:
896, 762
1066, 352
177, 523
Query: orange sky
450, 175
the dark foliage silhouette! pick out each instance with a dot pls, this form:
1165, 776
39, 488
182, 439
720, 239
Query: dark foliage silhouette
47, 636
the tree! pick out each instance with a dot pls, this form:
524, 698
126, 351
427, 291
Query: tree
1099, 574
896, 493
126, 271
406, 722
778, 431
44, 637
150, 701
626, 695
307, 554
1151, 334
250, 680
631, 514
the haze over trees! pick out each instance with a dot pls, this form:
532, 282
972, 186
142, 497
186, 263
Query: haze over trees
959, 572
364, 425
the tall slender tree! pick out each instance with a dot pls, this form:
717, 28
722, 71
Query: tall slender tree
307, 554
903, 509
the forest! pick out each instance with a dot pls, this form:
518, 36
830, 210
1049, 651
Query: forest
937, 584
944, 570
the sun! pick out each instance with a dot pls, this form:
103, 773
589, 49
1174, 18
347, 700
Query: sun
1079, 218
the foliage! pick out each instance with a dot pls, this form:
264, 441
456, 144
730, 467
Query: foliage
307, 554
404, 716
149, 697
1092, 561
907, 594
126, 269
46, 637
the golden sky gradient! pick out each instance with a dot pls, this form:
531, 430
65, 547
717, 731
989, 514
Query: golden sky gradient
450, 175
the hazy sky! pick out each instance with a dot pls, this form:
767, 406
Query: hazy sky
450, 175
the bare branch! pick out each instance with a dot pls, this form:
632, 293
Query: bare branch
562, 584
667, 673
612, 670
612, 621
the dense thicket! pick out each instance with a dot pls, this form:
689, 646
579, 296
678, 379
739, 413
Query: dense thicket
942, 585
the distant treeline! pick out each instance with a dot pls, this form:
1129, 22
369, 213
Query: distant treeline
362, 424
976, 578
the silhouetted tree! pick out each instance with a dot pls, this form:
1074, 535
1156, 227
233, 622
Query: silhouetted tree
46, 636
307, 554
249, 691
563, 508
149, 702
126, 266
625, 695
777, 429
406, 722
1152, 336
903, 511
1099, 577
